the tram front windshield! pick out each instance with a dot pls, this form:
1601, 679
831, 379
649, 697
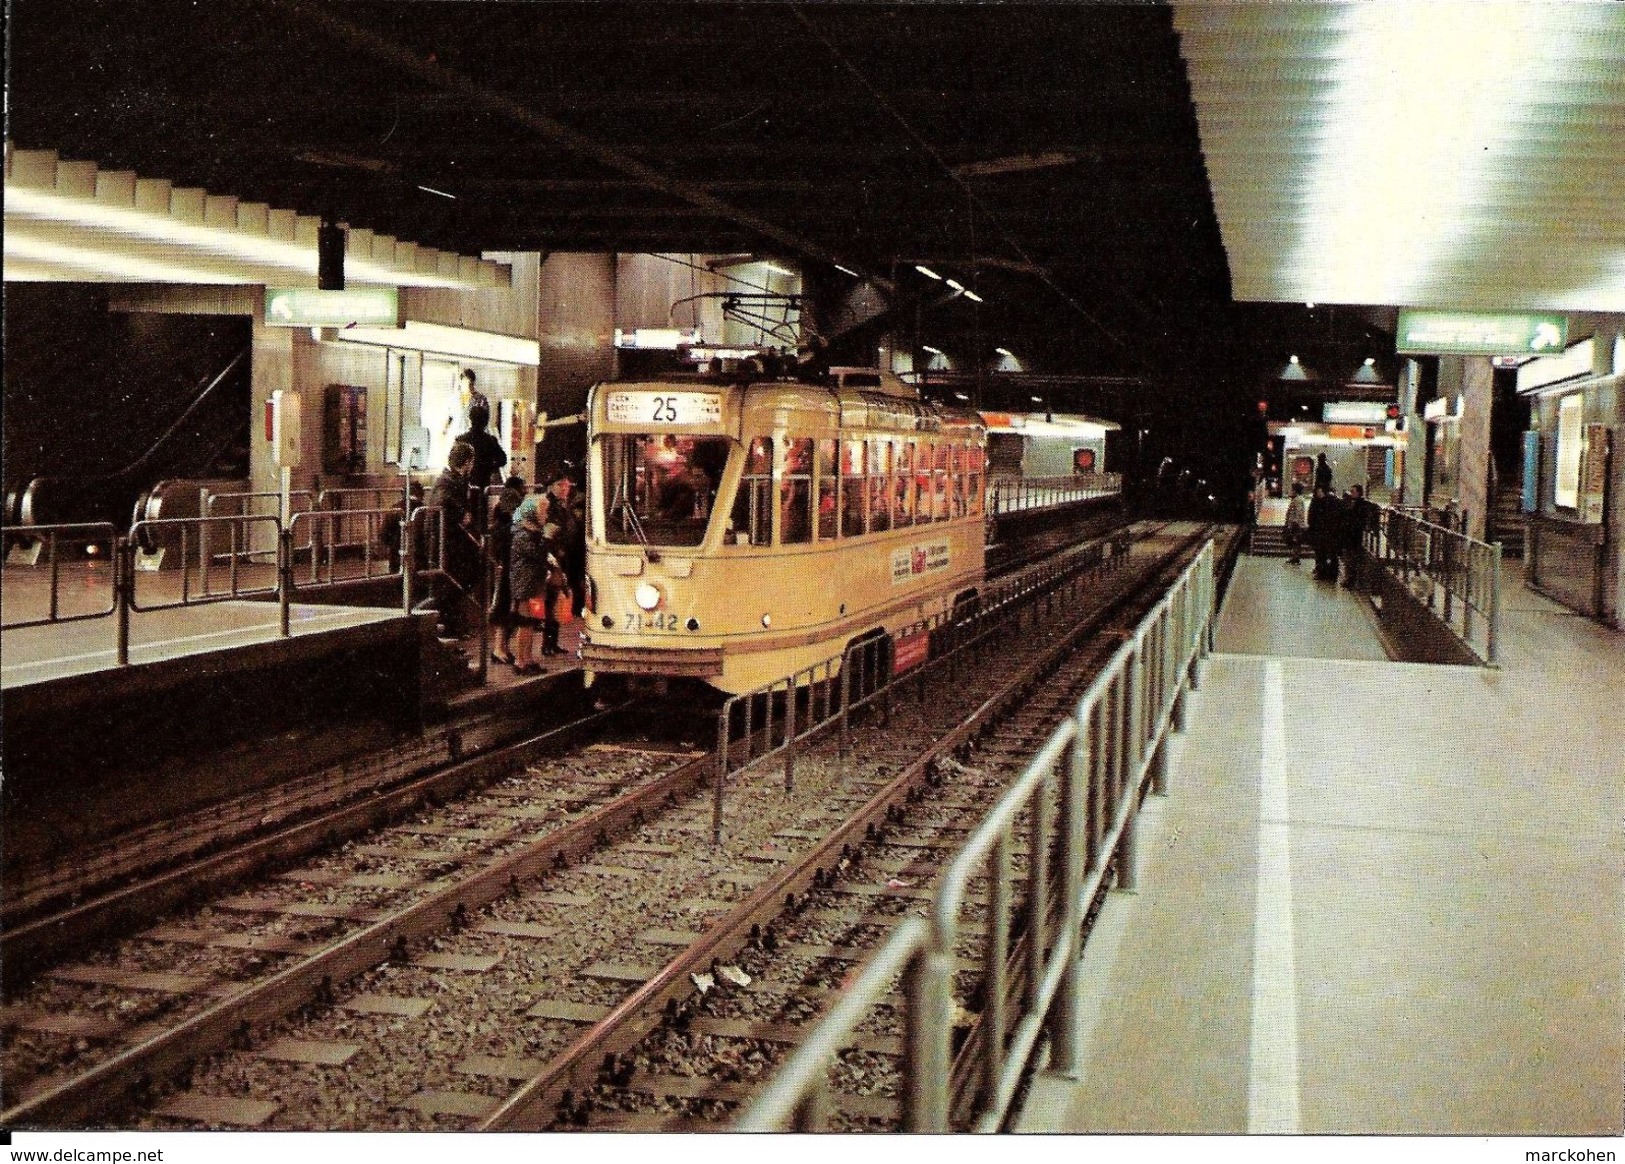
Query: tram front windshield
660, 488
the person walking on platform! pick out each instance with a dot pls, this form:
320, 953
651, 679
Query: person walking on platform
1323, 534
461, 548
1323, 475
1297, 520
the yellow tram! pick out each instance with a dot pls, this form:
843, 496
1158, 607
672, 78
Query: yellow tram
740, 531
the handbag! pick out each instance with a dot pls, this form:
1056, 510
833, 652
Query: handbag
536, 607
563, 606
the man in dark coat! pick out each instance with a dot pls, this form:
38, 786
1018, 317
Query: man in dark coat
461, 549
489, 460
1356, 517
1325, 528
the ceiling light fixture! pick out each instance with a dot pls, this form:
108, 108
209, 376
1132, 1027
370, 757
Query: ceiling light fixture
973, 297
847, 271
932, 350
1370, 362
956, 284
1292, 360
928, 272
777, 270
1006, 352
437, 193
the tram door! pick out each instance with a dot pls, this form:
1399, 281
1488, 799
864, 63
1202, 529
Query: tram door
441, 410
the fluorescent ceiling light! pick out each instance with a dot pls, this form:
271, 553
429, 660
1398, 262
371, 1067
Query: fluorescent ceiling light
777, 270
932, 350
973, 297
446, 341
1436, 154
956, 284
847, 271
439, 193
129, 243
928, 272
1005, 352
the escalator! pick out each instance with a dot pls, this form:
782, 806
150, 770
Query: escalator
209, 438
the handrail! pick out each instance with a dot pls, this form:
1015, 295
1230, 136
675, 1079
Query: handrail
198, 528
1461, 575
1017, 494
1098, 763
134, 468
863, 672
77, 533
425, 526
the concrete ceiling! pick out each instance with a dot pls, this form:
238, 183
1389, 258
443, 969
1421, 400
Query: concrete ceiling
1460, 155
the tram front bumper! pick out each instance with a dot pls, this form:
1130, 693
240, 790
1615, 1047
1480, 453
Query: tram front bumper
676, 662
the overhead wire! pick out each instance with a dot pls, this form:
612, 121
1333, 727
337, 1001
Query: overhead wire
1043, 273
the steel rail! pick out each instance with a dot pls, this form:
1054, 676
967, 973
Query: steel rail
29, 948
531, 1107
216, 1028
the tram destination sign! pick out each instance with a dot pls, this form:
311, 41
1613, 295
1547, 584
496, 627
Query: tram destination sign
1479, 333
664, 408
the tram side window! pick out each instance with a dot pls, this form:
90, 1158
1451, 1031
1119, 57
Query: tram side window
751, 523
828, 491
973, 478
957, 475
939, 483
852, 489
902, 512
795, 492
879, 485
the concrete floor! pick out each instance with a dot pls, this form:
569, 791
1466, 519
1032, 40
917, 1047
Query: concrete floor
1381, 897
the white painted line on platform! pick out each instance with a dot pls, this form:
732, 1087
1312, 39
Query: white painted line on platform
149, 648
1272, 1083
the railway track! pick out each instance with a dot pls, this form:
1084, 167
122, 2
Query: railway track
504, 917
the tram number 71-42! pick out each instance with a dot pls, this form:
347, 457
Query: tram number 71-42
636, 620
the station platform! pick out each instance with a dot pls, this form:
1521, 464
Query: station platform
215, 703
1381, 898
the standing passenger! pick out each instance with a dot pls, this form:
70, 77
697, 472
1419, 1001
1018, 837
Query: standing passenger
489, 460
461, 548
1323, 532
1323, 474
498, 547
1297, 519
529, 568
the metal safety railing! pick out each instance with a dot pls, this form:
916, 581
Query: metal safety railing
1014, 494
52, 539
1456, 577
773, 720
260, 503
215, 564
1077, 802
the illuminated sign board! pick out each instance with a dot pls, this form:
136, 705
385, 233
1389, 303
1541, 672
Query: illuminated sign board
308, 307
1577, 361
1354, 412
1480, 333
662, 339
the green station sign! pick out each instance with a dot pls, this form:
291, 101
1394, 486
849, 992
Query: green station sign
308, 307
1480, 333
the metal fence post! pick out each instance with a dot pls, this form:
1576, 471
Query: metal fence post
284, 539
927, 1041
124, 591
1066, 1019
790, 733
724, 722
1493, 631
408, 561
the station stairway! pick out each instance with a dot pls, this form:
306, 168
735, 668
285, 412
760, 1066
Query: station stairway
1268, 541
1507, 521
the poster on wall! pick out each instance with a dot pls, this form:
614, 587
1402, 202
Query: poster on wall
1566, 488
1594, 473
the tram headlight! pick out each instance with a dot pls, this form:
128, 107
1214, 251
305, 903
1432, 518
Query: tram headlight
647, 595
